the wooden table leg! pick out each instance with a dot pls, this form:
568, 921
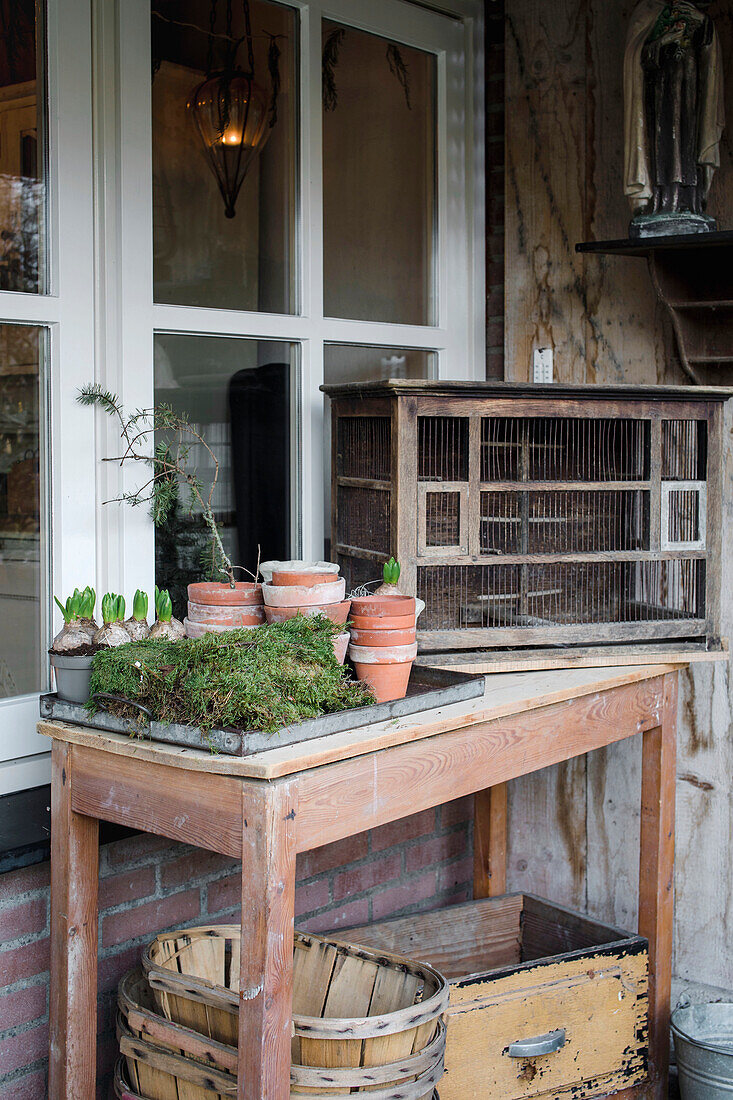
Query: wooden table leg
74, 886
490, 842
269, 823
656, 879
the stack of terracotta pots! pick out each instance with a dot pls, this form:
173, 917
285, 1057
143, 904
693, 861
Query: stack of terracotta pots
307, 588
214, 607
383, 643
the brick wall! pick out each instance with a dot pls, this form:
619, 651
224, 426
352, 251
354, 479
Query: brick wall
495, 192
148, 884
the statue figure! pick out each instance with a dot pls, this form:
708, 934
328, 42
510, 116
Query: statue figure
674, 116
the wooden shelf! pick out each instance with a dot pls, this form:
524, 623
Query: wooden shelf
693, 278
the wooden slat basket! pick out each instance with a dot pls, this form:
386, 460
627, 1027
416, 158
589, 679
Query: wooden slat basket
362, 1021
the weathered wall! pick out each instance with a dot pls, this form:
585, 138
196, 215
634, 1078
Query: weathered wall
564, 156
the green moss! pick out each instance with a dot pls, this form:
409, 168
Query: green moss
258, 679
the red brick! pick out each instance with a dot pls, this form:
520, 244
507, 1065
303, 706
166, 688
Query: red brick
151, 918
329, 856
310, 896
495, 364
436, 849
367, 875
354, 912
400, 897
115, 966
456, 812
21, 963
128, 886
454, 874
136, 849
24, 1049
194, 865
30, 1087
22, 1006
24, 881
407, 828
28, 918
464, 894
226, 893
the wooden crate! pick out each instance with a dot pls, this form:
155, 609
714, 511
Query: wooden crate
519, 968
528, 517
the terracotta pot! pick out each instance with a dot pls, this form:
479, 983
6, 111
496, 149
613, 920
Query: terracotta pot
305, 577
385, 668
338, 613
228, 617
340, 645
223, 595
197, 630
378, 607
370, 622
297, 595
267, 568
383, 655
362, 637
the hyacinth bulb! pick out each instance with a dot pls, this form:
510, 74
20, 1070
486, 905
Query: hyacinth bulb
229, 112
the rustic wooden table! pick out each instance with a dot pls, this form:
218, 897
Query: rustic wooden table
268, 807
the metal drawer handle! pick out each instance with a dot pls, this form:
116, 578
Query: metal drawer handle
541, 1044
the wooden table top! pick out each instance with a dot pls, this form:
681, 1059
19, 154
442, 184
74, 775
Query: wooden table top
506, 694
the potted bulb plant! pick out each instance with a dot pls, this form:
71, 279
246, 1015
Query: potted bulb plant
73, 647
112, 633
165, 626
137, 625
160, 441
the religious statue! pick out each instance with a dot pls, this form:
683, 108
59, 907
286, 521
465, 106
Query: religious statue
674, 116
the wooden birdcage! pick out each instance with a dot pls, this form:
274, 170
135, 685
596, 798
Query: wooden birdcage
528, 516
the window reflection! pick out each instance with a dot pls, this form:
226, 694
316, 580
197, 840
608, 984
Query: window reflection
22, 148
241, 396
22, 545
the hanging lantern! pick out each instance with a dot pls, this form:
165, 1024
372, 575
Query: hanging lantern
229, 112
230, 115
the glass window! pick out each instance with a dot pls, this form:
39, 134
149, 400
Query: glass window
379, 168
224, 155
241, 395
357, 363
22, 148
23, 545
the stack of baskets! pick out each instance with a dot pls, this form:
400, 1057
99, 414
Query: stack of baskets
362, 1021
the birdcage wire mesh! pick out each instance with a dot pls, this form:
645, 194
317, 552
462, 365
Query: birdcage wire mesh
442, 519
442, 448
364, 518
684, 450
359, 573
365, 447
563, 449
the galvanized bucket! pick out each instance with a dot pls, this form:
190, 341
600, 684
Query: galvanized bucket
703, 1040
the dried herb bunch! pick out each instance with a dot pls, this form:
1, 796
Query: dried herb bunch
162, 439
258, 679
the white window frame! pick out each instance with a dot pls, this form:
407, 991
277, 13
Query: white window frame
66, 312
100, 314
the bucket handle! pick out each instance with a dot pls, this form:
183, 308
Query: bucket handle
103, 697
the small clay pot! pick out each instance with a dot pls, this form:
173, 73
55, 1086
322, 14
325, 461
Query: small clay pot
305, 577
378, 607
371, 622
267, 568
338, 613
221, 594
361, 637
385, 668
230, 618
340, 645
197, 630
297, 595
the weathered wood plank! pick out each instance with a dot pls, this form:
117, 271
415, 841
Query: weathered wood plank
490, 842
269, 816
74, 887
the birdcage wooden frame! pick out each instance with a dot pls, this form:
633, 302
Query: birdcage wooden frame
528, 515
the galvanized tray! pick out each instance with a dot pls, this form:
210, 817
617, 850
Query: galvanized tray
428, 688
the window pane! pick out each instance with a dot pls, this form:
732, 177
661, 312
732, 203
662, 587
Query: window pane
202, 257
354, 363
22, 148
23, 545
241, 395
378, 178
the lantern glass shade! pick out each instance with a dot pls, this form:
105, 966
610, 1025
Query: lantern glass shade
229, 112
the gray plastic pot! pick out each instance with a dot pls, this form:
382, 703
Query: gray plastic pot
73, 676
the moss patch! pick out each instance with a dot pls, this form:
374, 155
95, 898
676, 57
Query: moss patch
258, 679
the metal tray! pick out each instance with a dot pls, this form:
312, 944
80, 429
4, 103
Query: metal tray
428, 688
